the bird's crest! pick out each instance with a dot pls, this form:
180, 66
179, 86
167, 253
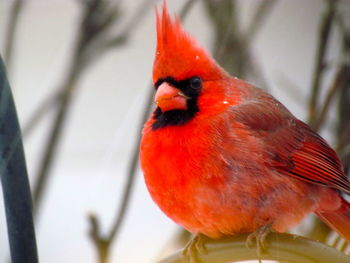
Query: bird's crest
178, 55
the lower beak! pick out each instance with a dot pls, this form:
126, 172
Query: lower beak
170, 98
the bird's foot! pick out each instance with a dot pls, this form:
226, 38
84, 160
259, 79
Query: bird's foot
195, 247
258, 238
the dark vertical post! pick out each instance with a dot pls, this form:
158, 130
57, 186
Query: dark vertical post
14, 180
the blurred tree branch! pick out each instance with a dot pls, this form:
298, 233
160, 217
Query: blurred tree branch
103, 243
97, 46
230, 39
98, 16
262, 12
223, 16
11, 30
323, 40
341, 79
340, 86
50, 103
343, 130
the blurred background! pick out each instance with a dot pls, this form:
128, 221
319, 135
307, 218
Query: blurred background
80, 72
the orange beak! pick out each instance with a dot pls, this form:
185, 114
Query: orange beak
170, 98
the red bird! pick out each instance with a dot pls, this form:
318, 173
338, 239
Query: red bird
221, 157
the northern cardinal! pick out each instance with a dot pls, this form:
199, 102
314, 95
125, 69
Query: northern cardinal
222, 157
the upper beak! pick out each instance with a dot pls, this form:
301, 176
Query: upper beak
170, 98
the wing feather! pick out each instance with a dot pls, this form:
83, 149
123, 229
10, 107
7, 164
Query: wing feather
290, 146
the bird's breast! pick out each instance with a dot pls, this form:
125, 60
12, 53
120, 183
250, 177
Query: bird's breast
190, 174
212, 182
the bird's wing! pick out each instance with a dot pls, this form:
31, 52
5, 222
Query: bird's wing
289, 145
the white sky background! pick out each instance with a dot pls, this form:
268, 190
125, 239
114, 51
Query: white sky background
90, 168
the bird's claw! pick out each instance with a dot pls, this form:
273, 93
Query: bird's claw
258, 238
195, 247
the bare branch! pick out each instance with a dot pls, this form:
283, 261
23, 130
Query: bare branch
93, 25
101, 244
53, 140
323, 39
50, 103
14, 15
223, 16
186, 8
341, 79
132, 170
134, 21
319, 230
262, 11
96, 19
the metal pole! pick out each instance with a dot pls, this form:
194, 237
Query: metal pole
14, 180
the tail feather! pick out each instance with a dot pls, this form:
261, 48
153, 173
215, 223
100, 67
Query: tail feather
338, 220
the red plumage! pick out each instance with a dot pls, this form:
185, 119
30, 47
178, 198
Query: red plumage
236, 159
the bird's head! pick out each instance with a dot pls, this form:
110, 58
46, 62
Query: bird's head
182, 73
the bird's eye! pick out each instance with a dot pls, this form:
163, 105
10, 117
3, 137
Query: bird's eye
196, 83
